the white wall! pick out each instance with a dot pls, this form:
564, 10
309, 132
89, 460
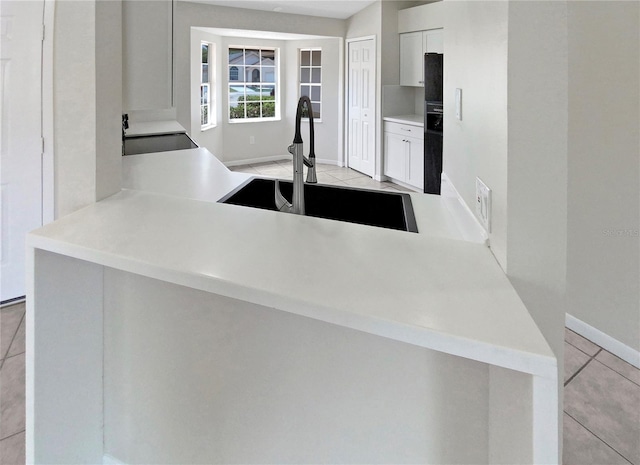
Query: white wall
475, 60
328, 132
108, 55
230, 141
212, 137
604, 150
87, 94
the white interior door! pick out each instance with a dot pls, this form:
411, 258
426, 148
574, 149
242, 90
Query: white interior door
362, 106
20, 137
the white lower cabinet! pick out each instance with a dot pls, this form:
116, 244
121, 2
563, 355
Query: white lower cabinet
404, 153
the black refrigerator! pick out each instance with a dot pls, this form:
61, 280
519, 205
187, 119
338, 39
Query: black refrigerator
433, 115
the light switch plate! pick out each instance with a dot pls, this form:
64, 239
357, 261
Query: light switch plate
459, 104
483, 204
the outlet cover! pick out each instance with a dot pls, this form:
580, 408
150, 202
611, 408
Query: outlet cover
483, 204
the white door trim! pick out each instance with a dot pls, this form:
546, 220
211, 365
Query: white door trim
48, 161
345, 150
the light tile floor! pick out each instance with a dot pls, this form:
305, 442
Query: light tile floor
327, 174
601, 400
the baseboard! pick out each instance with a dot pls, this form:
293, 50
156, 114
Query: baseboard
605, 341
248, 161
467, 223
109, 460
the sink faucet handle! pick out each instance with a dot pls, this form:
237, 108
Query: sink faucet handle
281, 203
292, 149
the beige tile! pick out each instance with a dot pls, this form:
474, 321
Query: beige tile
581, 343
12, 400
327, 178
346, 174
574, 359
365, 183
616, 364
12, 450
17, 346
580, 447
607, 404
323, 168
244, 169
263, 164
10, 318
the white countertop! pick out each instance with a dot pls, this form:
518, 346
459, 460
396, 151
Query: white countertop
413, 120
148, 128
429, 289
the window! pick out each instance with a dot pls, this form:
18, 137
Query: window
252, 83
207, 119
311, 79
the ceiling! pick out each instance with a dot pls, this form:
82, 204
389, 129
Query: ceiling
340, 9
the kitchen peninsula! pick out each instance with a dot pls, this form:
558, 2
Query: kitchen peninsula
163, 327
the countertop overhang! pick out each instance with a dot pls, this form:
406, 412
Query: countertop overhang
429, 290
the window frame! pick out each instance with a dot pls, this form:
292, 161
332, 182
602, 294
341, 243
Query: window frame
209, 85
310, 67
241, 70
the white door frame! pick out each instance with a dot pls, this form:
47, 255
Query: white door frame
345, 151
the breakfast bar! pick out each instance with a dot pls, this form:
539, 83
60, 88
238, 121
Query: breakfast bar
164, 327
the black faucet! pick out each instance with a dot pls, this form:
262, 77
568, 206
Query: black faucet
299, 160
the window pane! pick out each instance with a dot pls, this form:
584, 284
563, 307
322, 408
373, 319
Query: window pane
205, 53
268, 57
305, 57
204, 115
268, 109
268, 74
315, 93
316, 110
236, 95
253, 110
251, 56
236, 73
316, 58
204, 94
236, 56
253, 74
305, 91
315, 75
205, 73
305, 75
236, 112
268, 93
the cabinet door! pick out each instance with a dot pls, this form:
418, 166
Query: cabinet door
147, 78
415, 163
433, 41
411, 59
395, 156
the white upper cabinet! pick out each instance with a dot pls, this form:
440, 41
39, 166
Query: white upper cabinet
433, 41
411, 59
413, 46
147, 75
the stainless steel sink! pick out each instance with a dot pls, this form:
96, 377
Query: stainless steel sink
391, 210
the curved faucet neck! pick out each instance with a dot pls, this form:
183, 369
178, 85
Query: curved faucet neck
297, 138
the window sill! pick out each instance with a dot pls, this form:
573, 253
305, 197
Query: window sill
206, 128
252, 120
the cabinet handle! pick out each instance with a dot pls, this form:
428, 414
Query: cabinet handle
404, 129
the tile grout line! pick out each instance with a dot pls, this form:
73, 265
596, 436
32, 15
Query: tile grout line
6, 355
598, 437
616, 371
591, 357
12, 435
